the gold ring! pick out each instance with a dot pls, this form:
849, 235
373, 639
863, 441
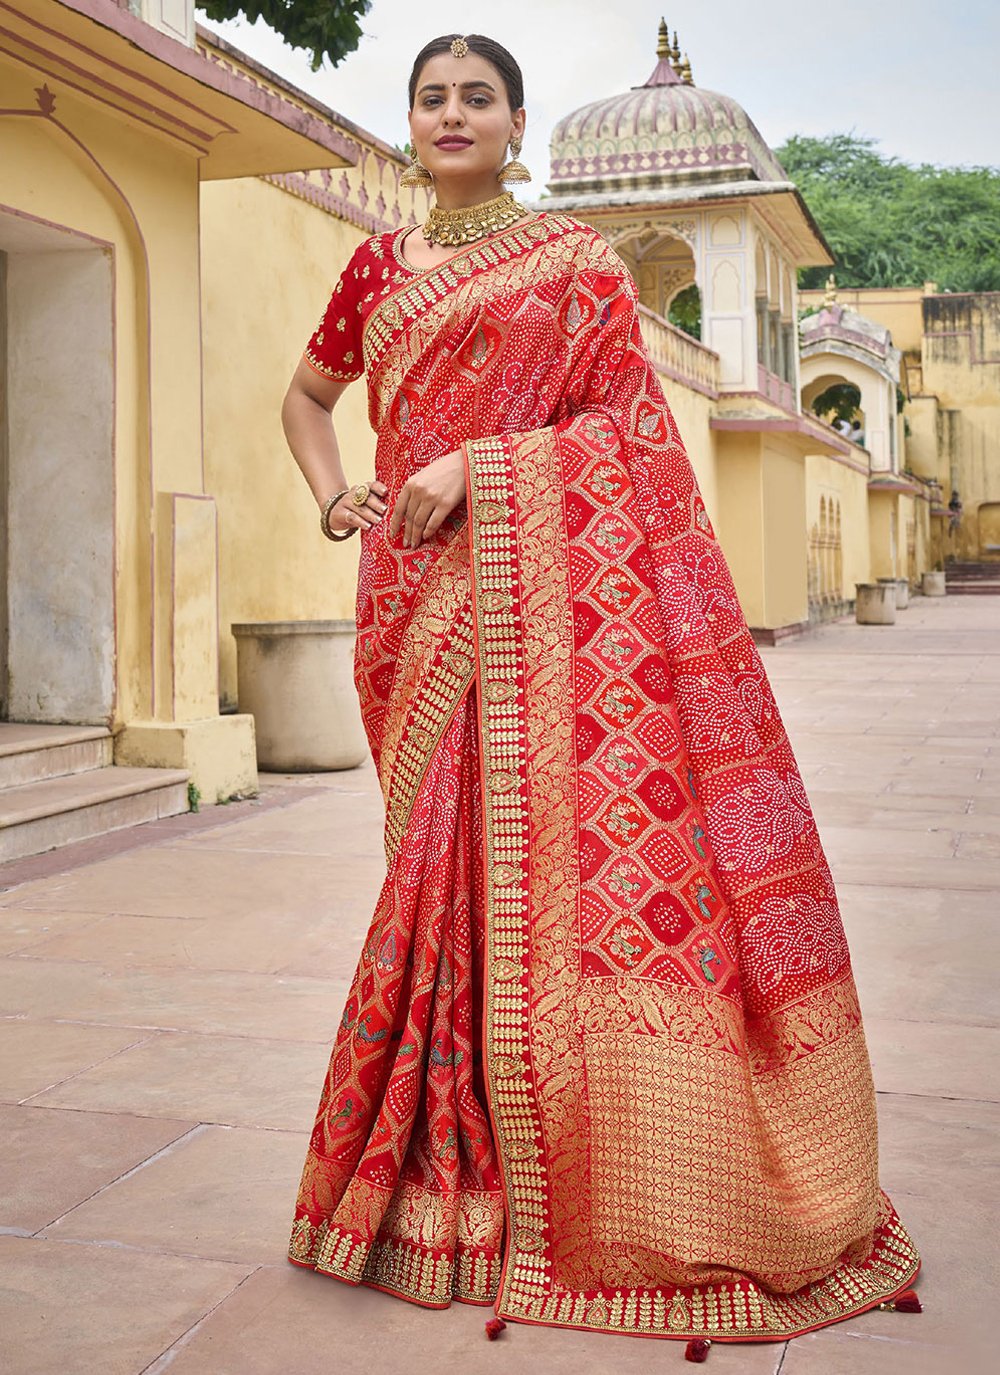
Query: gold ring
360, 494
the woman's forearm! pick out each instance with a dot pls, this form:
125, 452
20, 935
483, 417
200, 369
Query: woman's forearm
312, 439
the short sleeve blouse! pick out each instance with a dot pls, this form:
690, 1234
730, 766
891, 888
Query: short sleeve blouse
335, 351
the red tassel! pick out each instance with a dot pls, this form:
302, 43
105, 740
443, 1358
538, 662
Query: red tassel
494, 1327
697, 1350
908, 1302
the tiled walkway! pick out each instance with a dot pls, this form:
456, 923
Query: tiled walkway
169, 1000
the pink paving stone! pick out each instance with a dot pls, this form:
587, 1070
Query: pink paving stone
899, 733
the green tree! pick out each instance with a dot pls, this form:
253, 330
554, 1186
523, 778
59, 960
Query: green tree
892, 224
325, 28
685, 311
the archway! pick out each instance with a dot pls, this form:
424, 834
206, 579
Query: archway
834, 399
57, 508
664, 268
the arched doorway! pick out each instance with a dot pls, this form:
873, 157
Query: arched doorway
837, 401
664, 271
56, 475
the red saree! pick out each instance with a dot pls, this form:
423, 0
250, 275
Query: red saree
602, 1061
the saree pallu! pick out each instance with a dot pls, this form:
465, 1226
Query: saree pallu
602, 1062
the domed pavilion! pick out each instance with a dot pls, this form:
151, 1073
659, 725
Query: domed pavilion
683, 185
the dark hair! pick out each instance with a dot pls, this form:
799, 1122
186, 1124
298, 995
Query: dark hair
486, 48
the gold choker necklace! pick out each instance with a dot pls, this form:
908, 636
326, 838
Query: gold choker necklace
472, 222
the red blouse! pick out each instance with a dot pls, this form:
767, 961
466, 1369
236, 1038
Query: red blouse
334, 351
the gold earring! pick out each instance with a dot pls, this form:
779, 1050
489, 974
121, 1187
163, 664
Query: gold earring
514, 171
416, 174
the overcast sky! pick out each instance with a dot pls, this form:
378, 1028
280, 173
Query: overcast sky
920, 78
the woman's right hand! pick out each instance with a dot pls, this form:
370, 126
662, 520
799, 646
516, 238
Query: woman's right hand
347, 515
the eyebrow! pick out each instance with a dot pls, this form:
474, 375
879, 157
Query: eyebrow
465, 86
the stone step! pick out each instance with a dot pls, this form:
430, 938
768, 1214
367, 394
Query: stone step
30, 753
56, 811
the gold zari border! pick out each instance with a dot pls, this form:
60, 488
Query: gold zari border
431, 709
398, 1266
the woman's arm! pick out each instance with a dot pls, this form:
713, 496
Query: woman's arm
306, 415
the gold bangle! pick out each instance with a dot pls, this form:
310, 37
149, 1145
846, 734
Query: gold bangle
324, 519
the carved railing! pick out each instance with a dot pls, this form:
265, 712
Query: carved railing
677, 356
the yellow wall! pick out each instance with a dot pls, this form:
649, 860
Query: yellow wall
270, 262
761, 525
900, 532
961, 368
845, 490
785, 553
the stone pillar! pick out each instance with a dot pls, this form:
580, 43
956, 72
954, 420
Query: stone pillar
187, 730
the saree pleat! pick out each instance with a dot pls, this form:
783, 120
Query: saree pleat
401, 1188
603, 1060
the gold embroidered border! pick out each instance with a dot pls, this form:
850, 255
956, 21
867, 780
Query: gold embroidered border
405, 1269
743, 1310
433, 705
512, 1097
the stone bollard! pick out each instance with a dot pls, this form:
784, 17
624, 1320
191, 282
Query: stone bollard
933, 584
875, 604
296, 678
901, 591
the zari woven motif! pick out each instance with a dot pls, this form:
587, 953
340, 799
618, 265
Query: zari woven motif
602, 1061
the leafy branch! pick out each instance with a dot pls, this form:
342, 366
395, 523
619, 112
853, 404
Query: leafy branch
325, 28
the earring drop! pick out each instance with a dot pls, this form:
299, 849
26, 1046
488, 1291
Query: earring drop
514, 171
416, 174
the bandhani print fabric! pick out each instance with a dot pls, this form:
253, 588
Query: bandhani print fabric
602, 1062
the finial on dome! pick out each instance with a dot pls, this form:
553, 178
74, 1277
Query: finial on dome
830, 299
684, 72
663, 40
675, 51
665, 72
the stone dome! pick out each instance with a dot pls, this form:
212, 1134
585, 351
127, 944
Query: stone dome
665, 132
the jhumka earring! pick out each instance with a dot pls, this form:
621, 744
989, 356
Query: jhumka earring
514, 171
416, 174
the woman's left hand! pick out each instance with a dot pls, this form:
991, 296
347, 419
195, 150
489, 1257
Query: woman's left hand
427, 499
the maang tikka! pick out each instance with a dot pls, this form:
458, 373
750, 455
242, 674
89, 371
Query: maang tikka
514, 171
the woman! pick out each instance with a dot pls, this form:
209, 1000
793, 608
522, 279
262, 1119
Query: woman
602, 1062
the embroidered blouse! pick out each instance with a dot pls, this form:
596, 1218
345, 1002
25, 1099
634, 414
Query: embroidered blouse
334, 351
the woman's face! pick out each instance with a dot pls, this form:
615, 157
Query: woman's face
461, 122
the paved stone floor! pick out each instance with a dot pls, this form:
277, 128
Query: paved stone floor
168, 997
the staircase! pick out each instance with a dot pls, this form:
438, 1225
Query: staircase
976, 579
58, 784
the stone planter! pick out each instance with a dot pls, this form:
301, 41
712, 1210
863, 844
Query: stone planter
296, 678
933, 584
875, 604
901, 591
